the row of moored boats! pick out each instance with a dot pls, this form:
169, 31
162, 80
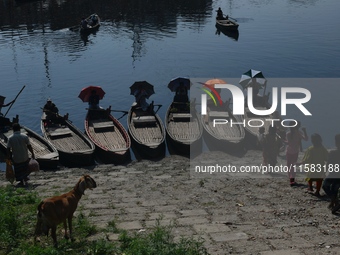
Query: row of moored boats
107, 141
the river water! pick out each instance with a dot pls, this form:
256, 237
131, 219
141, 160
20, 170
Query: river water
159, 40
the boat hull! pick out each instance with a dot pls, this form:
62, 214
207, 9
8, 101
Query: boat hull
111, 139
45, 153
75, 149
223, 137
227, 24
147, 134
183, 132
90, 29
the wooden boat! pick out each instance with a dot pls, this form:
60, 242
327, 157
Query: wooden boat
75, 149
147, 132
252, 123
255, 121
108, 134
91, 27
231, 33
45, 153
223, 137
226, 23
184, 129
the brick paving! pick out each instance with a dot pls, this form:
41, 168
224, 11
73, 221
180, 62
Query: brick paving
233, 215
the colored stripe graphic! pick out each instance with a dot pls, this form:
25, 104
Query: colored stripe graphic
211, 95
211, 87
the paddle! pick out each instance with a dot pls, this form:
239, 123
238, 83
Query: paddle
14, 100
101, 109
74, 28
228, 17
125, 112
159, 107
122, 115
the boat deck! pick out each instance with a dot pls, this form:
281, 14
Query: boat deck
41, 149
146, 128
107, 135
183, 127
232, 133
65, 139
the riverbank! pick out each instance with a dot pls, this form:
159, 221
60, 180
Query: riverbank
233, 213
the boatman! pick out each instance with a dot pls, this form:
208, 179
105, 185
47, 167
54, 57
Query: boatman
84, 23
219, 13
4, 121
2, 99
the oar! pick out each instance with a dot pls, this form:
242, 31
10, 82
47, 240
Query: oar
230, 18
101, 109
74, 28
159, 107
14, 100
125, 112
122, 115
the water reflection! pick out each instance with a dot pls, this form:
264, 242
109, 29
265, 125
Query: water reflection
233, 34
154, 19
159, 15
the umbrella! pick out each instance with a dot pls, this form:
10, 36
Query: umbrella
86, 92
212, 82
252, 78
211, 85
142, 85
176, 82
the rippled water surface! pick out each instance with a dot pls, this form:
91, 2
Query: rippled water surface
156, 42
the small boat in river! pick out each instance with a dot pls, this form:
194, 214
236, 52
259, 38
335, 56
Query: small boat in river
109, 135
224, 137
147, 132
226, 24
74, 148
183, 128
90, 24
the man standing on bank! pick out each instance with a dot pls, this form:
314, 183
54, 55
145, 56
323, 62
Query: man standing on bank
18, 146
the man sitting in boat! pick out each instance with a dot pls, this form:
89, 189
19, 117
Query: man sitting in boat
181, 98
84, 23
50, 109
140, 96
94, 19
94, 100
4, 121
219, 14
181, 94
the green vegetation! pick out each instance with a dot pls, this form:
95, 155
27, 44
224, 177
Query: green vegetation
18, 219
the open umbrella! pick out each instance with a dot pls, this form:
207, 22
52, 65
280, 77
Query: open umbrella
212, 82
138, 86
215, 92
176, 82
85, 93
252, 78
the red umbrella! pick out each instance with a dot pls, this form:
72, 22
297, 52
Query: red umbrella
86, 92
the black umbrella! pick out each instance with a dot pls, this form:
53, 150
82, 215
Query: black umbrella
253, 78
176, 82
140, 86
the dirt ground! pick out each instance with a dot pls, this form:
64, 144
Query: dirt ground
235, 213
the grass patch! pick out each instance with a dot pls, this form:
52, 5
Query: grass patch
17, 223
160, 241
